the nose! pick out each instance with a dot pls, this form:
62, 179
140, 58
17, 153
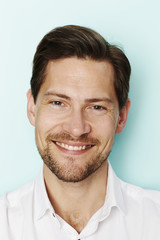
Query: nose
76, 124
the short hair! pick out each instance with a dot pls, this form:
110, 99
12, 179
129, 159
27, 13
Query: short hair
83, 43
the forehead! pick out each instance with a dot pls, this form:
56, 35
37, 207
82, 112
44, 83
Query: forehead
79, 68
82, 77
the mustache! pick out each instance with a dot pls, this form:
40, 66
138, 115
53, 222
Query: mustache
67, 137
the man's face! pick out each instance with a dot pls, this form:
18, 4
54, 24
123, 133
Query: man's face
76, 116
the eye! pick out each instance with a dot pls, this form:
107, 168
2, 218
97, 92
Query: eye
98, 107
58, 103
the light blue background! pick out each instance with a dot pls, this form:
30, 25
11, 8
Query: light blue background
135, 26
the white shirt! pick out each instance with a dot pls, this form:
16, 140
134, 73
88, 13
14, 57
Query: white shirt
129, 213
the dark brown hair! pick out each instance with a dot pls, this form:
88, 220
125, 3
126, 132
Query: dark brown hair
80, 42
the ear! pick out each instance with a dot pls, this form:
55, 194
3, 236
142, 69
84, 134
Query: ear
30, 107
123, 117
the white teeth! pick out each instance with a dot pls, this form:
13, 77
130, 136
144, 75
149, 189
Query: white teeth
69, 147
72, 148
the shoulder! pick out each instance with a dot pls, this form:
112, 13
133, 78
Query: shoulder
139, 192
12, 207
146, 200
15, 198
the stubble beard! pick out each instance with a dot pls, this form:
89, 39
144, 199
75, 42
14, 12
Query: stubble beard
71, 170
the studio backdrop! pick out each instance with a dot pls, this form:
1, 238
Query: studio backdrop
132, 25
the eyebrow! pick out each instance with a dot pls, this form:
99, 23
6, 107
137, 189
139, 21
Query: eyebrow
88, 100
103, 99
57, 95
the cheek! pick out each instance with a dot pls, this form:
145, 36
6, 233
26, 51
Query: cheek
106, 134
46, 121
106, 126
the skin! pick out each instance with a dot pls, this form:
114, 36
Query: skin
76, 116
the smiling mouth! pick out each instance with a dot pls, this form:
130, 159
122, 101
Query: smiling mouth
73, 148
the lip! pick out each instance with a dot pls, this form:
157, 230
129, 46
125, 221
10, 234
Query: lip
62, 146
78, 144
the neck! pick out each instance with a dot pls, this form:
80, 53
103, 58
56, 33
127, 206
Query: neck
68, 199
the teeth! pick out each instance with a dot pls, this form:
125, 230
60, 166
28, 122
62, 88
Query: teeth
72, 148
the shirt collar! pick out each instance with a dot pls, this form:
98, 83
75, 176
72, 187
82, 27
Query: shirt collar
114, 196
42, 203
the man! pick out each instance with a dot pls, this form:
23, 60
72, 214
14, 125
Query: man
78, 101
